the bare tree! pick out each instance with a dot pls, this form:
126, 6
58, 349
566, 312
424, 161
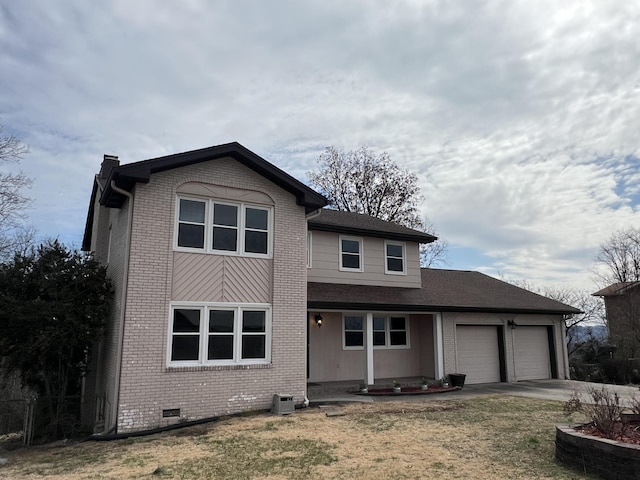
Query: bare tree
361, 181
619, 257
592, 310
13, 202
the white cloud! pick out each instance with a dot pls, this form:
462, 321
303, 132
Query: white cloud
521, 118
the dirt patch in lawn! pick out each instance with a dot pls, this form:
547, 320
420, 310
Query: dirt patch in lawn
502, 437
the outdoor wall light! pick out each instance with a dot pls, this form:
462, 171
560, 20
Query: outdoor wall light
512, 324
318, 319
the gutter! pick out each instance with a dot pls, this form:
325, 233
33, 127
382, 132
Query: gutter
123, 308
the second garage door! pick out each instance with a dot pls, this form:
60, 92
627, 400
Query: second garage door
478, 353
532, 353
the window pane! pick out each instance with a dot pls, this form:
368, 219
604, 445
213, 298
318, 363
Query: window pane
253, 322
257, 218
378, 323
225, 215
191, 211
350, 261
225, 239
220, 347
253, 346
190, 235
353, 339
394, 264
185, 347
398, 338
186, 320
378, 338
351, 246
353, 323
394, 251
255, 242
397, 323
221, 321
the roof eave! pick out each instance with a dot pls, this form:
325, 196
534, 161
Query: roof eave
391, 307
326, 227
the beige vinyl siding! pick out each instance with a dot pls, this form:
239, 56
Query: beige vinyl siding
325, 263
328, 361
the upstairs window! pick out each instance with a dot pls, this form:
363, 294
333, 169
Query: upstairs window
212, 226
394, 258
351, 254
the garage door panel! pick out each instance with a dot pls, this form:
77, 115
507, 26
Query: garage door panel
478, 353
532, 353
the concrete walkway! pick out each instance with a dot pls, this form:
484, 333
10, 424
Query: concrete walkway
560, 390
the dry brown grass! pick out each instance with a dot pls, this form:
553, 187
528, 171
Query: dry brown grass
481, 438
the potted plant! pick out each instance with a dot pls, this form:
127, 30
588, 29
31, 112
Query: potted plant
425, 384
444, 381
457, 379
364, 388
397, 388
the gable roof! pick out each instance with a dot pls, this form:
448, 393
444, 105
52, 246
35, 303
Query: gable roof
442, 291
360, 224
618, 288
126, 176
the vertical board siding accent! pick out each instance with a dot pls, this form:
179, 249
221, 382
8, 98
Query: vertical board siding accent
219, 278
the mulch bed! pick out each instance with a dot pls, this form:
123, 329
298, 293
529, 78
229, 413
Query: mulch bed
409, 391
624, 432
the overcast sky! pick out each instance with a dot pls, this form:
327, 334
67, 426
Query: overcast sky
522, 119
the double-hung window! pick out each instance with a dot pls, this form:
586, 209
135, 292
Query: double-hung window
389, 331
213, 226
219, 334
351, 254
394, 258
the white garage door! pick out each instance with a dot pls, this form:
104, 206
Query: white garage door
478, 354
532, 353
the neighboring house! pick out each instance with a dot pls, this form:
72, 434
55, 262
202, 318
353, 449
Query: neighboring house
622, 306
218, 257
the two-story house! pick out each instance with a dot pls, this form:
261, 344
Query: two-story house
233, 283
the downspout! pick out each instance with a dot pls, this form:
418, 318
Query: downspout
309, 216
123, 307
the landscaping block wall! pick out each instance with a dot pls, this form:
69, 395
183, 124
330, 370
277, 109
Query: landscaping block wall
609, 459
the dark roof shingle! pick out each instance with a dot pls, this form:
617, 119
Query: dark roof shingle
442, 290
360, 224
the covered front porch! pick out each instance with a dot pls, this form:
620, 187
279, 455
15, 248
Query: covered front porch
347, 347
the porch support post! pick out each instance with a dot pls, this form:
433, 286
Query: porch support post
368, 350
438, 346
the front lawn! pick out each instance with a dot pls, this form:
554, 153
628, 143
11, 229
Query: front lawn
496, 437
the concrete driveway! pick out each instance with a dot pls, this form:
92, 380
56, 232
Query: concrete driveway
559, 390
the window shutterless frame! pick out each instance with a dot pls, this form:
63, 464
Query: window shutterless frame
351, 256
222, 227
395, 254
213, 334
389, 331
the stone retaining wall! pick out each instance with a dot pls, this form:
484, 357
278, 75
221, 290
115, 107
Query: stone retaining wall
609, 459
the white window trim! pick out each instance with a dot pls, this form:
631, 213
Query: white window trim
387, 329
404, 258
361, 253
208, 227
204, 308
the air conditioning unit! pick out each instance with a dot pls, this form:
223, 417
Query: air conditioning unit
282, 404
